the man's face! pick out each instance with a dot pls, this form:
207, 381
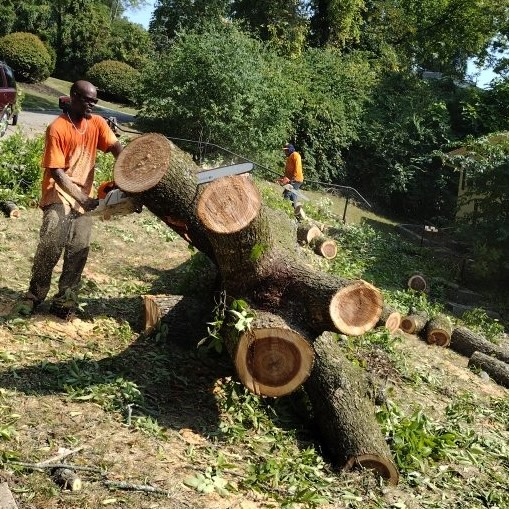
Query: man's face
83, 102
286, 152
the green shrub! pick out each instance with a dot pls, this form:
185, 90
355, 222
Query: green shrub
27, 55
115, 80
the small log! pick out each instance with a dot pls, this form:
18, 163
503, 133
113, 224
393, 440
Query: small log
498, 370
324, 247
273, 358
418, 283
438, 331
390, 319
414, 323
10, 209
466, 342
67, 478
185, 317
345, 417
307, 232
6, 499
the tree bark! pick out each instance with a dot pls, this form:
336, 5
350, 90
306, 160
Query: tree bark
438, 331
498, 370
344, 415
466, 342
67, 478
253, 246
414, 323
307, 232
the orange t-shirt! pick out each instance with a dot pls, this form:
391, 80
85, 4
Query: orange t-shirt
74, 150
293, 167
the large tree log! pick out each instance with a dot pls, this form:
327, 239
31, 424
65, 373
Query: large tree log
466, 342
498, 370
253, 246
344, 414
324, 246
274, 357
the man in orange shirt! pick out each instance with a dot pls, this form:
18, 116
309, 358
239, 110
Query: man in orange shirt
293, 172
72, 141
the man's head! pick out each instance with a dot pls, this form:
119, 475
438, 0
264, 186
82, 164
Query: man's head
83, 98
288, 149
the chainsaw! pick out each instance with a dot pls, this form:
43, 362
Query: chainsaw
114, 202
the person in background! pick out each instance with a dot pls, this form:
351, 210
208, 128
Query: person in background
71, 145
293, 172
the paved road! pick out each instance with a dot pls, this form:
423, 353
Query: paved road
32, 123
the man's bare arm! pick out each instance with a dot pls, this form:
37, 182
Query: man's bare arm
67, 185
115, 149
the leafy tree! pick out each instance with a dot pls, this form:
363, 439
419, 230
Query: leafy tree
221, 87
284, 23
116, 81
333, 90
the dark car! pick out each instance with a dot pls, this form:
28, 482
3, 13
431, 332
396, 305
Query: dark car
8, 94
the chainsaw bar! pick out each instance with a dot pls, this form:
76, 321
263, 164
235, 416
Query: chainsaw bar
206, 176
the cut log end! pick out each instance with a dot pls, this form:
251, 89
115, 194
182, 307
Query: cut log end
229, 204
307, 232
393, 322
418, 283
324, 247
143, 163
67, 478
356, 308
384, 467
273, 361
438, 337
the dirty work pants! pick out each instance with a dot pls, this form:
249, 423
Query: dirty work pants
65, 230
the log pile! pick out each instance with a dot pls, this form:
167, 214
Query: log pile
257, 256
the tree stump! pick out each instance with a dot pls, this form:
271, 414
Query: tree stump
498, 370
466, 342
414, 323
438, 331
345, 416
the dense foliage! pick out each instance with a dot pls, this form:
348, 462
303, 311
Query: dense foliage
27, 55
115, 80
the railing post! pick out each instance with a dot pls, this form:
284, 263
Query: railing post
344, 211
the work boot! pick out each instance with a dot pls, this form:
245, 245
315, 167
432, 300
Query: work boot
62, 311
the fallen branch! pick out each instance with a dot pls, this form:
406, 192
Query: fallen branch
35, 466
120, 485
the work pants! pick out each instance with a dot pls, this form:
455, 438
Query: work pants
62, 229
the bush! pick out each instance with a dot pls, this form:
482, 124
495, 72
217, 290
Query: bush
27, 55
115, 80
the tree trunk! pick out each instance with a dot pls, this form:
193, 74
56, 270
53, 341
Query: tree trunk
274, 357
414, 323
390, 319
438, 331
498, 370
254, 247
466, 342
324, 247
345, 416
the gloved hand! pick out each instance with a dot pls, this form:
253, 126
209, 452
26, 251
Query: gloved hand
90, 204
283, 181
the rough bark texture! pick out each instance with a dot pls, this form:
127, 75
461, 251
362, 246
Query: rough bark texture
498, 370
438, 331
466, 342
414, 323
345, 416
274, 357
254, 247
